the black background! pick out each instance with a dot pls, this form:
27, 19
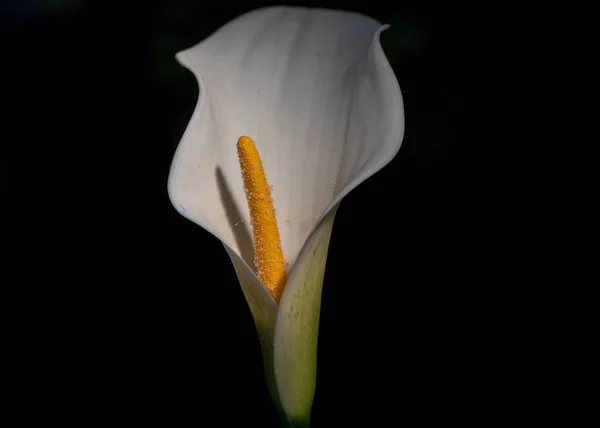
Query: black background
141, 318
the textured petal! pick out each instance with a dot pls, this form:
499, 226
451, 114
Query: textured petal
297, 327
314, 90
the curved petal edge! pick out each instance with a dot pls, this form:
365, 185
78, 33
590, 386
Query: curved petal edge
297, 326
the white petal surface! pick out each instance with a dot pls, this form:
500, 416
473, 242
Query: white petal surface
314, 90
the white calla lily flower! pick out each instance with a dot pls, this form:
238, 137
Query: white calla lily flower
314, 90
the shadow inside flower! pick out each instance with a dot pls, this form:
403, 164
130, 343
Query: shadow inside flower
241, 230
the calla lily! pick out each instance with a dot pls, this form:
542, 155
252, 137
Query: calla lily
315, 91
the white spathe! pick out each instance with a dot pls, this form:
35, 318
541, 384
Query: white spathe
314, 90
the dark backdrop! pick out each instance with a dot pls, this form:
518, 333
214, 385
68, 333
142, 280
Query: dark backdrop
143, 319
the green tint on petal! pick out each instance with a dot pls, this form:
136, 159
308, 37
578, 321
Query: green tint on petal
297, 326
264, 312
262, 306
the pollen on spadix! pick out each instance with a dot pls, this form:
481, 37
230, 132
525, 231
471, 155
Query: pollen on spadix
270, 265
